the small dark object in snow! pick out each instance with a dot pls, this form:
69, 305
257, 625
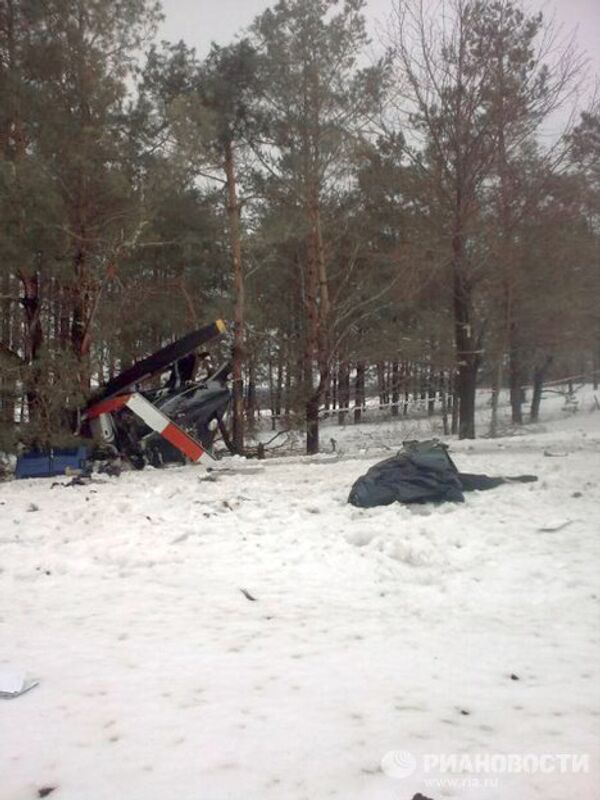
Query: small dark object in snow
420, 796
577, 494
33, 507
77, 480
554, 528
111, 469
371, 770
422, 472
247, 595
46, 790
514, 677
464, 712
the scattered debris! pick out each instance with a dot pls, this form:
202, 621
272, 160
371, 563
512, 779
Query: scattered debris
12, 685
371, 770
247, 595
211, 478
32, 507
548, 454
78, 480
112, 469
46, 790
514, 677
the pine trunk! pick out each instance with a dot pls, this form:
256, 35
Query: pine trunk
496, 388
233, 217
539, 376
395, 387
34, 337
516, 379
343, 391
466, 356
359, 391
8, 372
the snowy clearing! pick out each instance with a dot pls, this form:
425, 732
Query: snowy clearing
459, 629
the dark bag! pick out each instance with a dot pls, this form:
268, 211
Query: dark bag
422, 472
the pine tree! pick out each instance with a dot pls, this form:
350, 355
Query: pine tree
316, 97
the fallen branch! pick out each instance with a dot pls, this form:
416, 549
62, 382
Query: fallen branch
554, 528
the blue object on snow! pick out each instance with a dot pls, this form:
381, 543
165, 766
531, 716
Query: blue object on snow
37, 464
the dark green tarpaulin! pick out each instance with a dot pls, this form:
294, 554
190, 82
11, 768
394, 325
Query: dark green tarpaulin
422, 472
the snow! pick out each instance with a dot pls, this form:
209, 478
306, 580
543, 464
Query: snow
372, 631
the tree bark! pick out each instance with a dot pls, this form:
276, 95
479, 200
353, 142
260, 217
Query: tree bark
454, 399
444, 394
233, 216
496, 388
343, 390
251, 395
539, 375
359, 391
278, 385
395, 387
8, 373
516, 377
430, 393
81, 310
34, 336
466, 355
381, 384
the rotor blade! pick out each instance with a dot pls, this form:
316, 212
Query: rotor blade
159, 361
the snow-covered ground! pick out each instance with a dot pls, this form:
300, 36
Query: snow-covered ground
392, 633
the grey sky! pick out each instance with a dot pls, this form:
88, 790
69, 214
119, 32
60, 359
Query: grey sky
198, 22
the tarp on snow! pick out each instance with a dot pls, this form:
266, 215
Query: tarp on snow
422, 472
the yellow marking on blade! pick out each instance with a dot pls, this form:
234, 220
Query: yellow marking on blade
221, 327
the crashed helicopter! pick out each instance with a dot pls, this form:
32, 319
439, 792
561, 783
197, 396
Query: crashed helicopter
172, 423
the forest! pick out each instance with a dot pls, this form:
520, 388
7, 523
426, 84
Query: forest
413, 215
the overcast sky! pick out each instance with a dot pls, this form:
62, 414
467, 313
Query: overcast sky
198, 22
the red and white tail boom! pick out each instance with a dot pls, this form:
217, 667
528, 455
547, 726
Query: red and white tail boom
153, 418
